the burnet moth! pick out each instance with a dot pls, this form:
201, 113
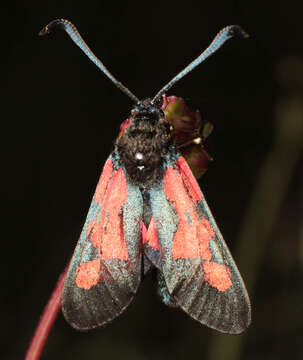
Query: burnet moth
149, 212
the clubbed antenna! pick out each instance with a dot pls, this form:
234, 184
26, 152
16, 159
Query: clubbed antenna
225, 34
72, 31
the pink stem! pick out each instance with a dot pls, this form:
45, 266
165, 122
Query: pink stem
47, 320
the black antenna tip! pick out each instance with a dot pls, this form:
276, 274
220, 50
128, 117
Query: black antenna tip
44, 31
49, 27
236, 31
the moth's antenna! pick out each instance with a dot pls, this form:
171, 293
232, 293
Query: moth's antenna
225, 34
72, 31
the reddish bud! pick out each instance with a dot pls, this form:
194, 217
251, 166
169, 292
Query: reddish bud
197, 159
188, 132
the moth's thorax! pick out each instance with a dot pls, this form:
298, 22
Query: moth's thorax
144, 143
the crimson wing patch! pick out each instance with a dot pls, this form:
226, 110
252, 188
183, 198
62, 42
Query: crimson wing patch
185, 244
105, 269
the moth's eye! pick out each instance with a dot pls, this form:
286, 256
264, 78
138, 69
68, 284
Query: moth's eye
139, 107
162, 113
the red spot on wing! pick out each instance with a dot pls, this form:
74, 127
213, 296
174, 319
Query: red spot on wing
191, 240
88, 274
106, 233
103, 182
217, 275
150, 235
189, 180
124, 126
205, 233
192, 237
143, 233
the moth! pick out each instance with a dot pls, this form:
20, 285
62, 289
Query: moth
149, 212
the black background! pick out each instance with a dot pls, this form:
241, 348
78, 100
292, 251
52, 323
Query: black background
60, 116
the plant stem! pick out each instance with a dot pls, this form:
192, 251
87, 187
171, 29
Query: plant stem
46, 321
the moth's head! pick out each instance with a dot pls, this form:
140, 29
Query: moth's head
146, 111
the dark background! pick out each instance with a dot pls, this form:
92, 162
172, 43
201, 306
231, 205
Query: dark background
60, 116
